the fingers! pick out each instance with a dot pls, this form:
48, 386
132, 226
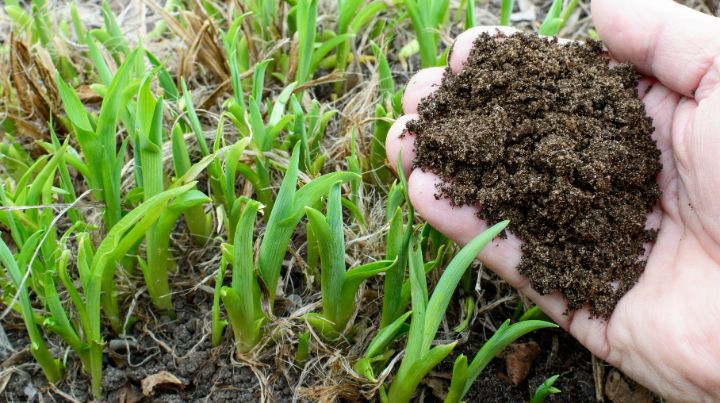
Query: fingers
661, 38
464, 43
400, 142
422, 84
461, 225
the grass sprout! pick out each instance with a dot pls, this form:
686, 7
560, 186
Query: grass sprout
52, 367
506, 10
545, 389
339, 286
420, 355
254, 282
464, 374
427, 17
556, 17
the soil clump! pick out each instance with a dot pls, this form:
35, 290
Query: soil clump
550, 137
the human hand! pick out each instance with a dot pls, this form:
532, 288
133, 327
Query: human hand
665, 331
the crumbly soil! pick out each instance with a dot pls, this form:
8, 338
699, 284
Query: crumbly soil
553, 139
179, 346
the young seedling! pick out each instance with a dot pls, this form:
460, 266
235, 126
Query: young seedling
199, 223
397, 289
339, 286
545, 389
97, 139
287, 212
427, 18
377, 352
242, 299
506, 9
51, 366
100, 287
303, 348
353, 16
255, 282
420, 356
464, 374
557, 17
309, 54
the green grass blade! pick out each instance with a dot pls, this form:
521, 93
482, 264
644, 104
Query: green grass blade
458, 380
506, 10
451, 277
505, 335
470, 14
425, 37
52, 368
306, 15
545, 389
218, 325
287, 212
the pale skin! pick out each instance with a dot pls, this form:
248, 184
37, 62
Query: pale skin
665, 332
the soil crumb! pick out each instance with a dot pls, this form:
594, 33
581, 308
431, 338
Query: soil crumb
553, 139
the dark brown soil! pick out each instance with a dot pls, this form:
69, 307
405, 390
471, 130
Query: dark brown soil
180, 346
553, 139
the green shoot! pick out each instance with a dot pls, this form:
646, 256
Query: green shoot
52, 367
398, 240
218, 324
199, 224
427, 17
353, 16
149, 120
377, 351
534, 313
242, 298
420, 356
306, 14
506, 9
287, 212
545, 389
464, 375
100, 289
303, 348
98, 141
339, 286
557, 17
470, 14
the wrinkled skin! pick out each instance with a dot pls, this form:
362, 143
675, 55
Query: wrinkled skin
665, 332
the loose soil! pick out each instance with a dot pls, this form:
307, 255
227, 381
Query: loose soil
553, 139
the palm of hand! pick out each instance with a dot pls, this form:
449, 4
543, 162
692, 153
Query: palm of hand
664, 332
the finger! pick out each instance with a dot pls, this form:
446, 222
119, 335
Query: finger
464, 43
661, 38
422, 84
401, 142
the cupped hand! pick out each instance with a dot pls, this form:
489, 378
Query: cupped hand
665, 332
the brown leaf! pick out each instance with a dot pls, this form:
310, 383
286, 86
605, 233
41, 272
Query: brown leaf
161, 380
87, 95
437, 386
35, 90
126, 394
519, 358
